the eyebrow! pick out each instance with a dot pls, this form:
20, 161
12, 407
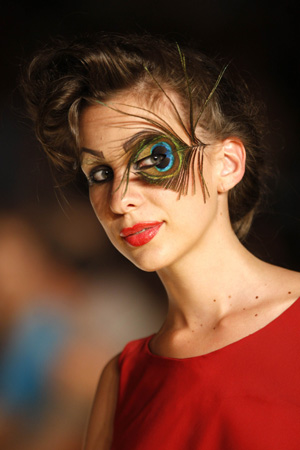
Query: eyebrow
97, 153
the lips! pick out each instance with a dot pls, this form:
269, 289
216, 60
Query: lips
141, 233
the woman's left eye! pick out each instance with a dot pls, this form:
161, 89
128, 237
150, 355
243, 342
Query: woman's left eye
161, 158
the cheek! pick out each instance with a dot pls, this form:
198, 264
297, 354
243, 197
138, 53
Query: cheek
99, 203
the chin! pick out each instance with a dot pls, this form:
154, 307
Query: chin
146, 259
146, 263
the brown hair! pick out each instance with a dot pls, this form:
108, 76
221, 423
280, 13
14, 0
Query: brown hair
65, 76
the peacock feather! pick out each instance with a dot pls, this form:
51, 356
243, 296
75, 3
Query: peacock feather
161, 157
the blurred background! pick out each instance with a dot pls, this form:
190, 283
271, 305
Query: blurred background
68, 301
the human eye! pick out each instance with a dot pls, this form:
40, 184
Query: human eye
159, 159
100, 174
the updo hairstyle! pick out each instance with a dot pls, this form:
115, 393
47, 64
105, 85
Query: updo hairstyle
66, 76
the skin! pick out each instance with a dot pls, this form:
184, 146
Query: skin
218, 292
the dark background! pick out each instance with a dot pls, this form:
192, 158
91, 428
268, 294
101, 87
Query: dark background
260, 37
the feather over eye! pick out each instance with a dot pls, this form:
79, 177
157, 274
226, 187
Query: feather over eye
165, 159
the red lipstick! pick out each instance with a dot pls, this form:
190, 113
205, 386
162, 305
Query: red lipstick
141, 233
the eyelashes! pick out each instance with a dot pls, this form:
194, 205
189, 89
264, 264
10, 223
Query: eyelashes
100, 174
154, 159
158, 159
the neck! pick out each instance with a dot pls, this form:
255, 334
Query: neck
209, 282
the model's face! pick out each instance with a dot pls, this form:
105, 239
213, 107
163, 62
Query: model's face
151, 226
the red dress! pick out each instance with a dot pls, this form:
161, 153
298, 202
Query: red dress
245, 396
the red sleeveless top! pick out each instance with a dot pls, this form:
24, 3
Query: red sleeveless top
245, 396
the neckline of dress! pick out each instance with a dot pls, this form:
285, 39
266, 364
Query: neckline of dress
266, 327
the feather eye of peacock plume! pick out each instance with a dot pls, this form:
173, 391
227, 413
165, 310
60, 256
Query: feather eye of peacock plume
161, 157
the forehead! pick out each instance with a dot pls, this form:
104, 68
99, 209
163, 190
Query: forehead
123, 116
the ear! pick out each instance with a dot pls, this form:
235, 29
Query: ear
232, 168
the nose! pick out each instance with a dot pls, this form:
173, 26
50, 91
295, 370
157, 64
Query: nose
125, 195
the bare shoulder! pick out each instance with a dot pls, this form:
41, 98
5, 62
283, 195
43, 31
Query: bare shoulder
285, 283
289, 277
100, 427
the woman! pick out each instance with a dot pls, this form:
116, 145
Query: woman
170, 144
